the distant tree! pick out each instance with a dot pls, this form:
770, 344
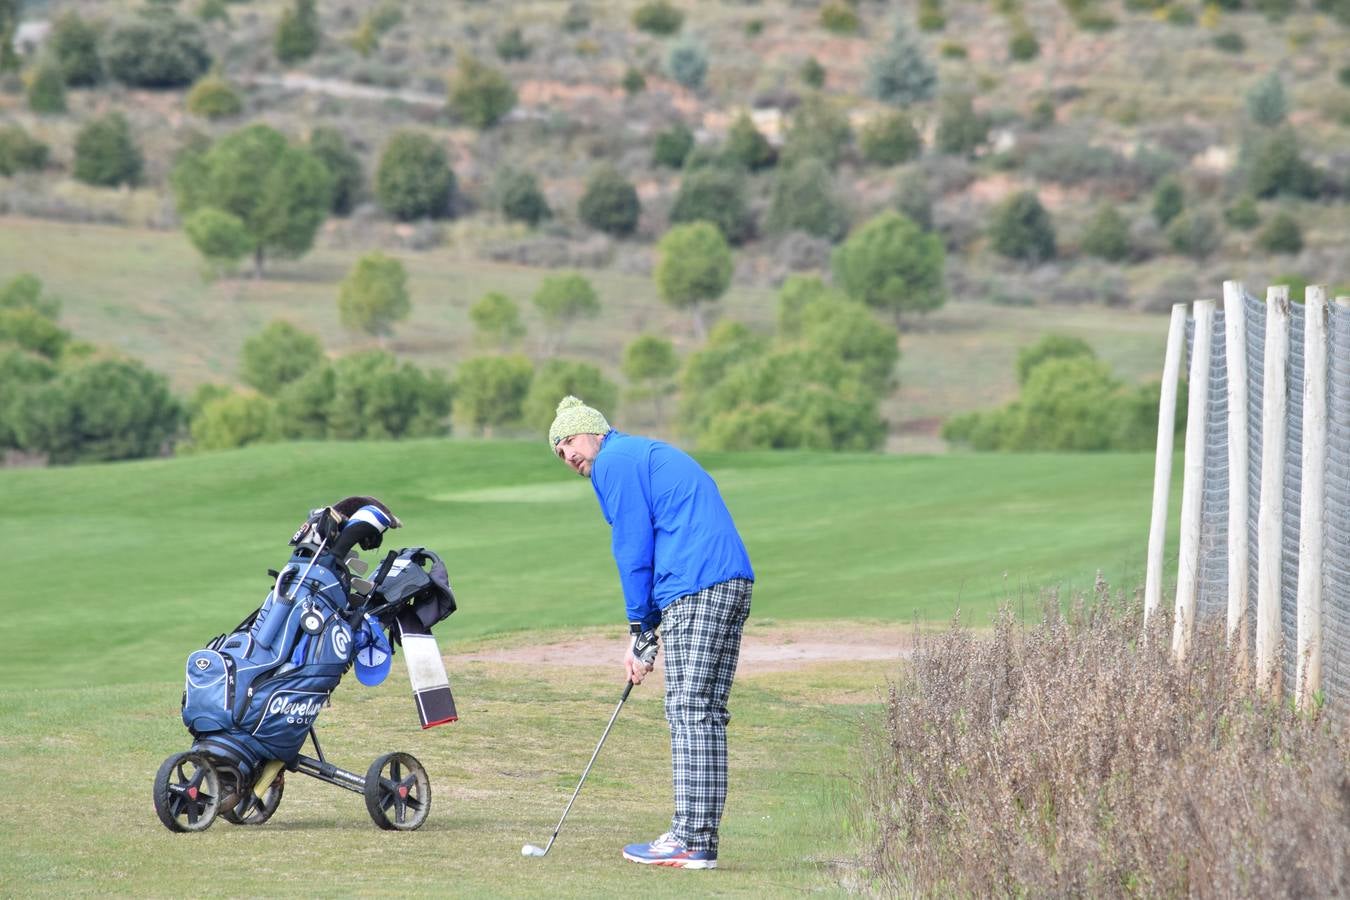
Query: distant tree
157, 49
1168, 201
610, 202
892, 265
843, 331
30, 330
24, 291
220, 237
1266, 101
812, 73
1243, 214
1107, 235
213, 98
414, 179
375, 397
19, 151
747, 147
633, 81
297, 36
839, 17
961, 130
1275, 167
914, 200
1022, 229
105, 153
490, 392
1023, 46
303, 406
804, 198
518, 196
497, 321
559, 378
479, 94
562, 301
374, 295
1194, 233
47, 89
104, 410
213, 11
900, 74
512, 46
817, 129
1051, 346
577, 17
889, 140
658, 17
694, 268
797, 291
1282, 234
687, 62
10, 11
672, 146
277, 356
931, 17
236, 419
279, 192
20, 371
715, 195
344, 168
650, 365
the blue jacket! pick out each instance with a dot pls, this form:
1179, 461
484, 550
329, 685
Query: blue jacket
672, 533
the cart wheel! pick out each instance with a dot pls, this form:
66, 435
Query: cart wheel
187, 792
251, 810
398, 794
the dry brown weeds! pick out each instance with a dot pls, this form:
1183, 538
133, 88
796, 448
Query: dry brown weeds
1073, 758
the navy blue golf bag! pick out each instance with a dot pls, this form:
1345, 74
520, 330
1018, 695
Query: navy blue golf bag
254, 693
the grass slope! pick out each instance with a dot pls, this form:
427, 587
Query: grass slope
121, 568
118, 571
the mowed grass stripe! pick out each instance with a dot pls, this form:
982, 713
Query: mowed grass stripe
118, 570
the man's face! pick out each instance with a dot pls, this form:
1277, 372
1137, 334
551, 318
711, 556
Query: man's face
579, 452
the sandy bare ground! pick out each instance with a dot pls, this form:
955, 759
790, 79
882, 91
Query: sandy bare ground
765, 648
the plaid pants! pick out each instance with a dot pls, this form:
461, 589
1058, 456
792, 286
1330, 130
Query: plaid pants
701, 640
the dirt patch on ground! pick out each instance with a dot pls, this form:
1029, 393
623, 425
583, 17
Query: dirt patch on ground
765, 648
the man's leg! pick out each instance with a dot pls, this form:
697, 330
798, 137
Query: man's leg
702, 638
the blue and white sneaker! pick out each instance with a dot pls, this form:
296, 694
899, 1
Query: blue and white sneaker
668, 850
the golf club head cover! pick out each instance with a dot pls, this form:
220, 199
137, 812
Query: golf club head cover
365, 526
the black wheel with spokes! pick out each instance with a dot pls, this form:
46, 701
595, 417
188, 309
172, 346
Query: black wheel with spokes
398, 792
187, 792
252, 811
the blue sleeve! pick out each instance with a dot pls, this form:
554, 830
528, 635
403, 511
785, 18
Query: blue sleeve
623, 497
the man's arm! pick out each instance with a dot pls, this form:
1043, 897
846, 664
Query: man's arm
619, 483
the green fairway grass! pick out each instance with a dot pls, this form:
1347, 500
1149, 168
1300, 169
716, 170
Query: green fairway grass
116, 572
119, 569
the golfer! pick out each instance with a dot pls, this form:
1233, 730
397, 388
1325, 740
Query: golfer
683, 567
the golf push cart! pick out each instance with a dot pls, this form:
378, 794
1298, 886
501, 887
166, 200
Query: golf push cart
252, 695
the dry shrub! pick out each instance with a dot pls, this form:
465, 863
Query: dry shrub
1073, 758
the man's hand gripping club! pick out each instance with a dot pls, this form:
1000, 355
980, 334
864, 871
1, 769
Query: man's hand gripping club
640, 657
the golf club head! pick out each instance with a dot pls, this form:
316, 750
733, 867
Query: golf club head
532, 850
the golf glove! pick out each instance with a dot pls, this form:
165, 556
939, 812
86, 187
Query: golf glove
645, 646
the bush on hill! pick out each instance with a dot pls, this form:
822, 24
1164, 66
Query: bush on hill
278, 355
157, 49
609, 203
687, 62
519, 198
213, 98
479, 94
297, 36
805, 199
414, 179
672, 146
490, 392
47, 89
1021, 228
890, 140
74, 43
344, 168
20, 151
715, 195
891, 265
900, 73
106, 154
658, 17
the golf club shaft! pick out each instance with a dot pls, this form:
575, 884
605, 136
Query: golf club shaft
627, 688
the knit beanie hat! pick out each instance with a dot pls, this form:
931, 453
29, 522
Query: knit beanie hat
575, 417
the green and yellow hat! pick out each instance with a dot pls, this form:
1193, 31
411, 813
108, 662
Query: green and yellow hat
575, 417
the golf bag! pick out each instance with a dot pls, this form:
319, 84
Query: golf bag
252, 695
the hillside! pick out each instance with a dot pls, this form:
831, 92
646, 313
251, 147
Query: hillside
1115, 103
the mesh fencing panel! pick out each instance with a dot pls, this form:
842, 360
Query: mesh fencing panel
1212, 585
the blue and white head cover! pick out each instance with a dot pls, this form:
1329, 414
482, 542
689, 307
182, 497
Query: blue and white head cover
374, 653
373, 515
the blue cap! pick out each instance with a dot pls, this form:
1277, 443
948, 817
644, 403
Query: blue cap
374, 654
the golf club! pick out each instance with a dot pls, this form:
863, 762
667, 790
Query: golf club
531, 849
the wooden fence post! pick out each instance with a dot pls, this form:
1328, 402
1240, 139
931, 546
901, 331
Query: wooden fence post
1193, 480
1311, 527
1162, 463
1235, 352
1269, 515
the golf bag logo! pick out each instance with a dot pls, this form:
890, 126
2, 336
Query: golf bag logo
342, 643
298, 709
202, 664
